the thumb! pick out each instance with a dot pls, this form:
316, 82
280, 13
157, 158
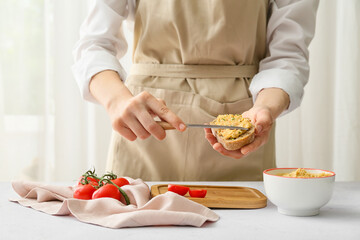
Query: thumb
263, 121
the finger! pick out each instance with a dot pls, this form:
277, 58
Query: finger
161, 100
209, 136
234, 154
153, 115
207, 130
138, 128
258, 142
151, 126
124, 131
248, 115
165, 113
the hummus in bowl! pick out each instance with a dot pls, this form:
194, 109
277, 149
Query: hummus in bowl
303, 173
298, 192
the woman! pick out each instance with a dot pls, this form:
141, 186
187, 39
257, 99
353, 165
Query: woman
194, 60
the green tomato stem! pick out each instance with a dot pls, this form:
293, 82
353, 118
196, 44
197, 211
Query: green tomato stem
108, 181
110, 176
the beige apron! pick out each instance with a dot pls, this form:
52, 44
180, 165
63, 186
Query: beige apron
199, 56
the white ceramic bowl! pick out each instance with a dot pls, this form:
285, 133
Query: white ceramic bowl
298, 196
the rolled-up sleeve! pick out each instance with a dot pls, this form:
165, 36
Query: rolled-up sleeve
101, 44
291, 27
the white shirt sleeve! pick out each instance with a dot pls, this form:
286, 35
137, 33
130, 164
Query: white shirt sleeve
102, 42
291, 27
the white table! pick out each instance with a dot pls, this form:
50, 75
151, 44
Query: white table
339, 219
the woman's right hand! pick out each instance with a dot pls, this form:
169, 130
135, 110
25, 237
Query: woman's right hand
132, 116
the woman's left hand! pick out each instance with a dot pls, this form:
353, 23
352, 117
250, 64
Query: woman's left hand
261, 117
269, 104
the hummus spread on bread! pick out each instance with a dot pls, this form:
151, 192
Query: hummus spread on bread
231, 120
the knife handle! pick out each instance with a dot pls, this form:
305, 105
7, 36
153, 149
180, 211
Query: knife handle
165, 125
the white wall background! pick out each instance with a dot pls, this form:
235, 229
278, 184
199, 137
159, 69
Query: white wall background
48, 133
325, 131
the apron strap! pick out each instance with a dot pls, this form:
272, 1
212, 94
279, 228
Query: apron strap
194, 71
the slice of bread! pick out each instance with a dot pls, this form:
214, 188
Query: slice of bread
239, 141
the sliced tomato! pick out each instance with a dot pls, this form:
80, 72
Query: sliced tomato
198, 193
181, 190
107, 190
84, 192
121, 182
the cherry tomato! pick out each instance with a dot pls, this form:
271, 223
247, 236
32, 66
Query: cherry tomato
107, 190
181, 190
198, 193
90, 179
121, 182
84, 192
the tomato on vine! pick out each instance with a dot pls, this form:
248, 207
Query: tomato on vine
120, 182
83, 180
88, 177
84, 192
107, 190
90, 186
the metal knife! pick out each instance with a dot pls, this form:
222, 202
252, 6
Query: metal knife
167, 126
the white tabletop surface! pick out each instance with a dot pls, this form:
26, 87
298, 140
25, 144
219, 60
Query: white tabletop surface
339, 219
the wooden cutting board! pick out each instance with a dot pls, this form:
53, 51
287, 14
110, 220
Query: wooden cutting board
222, 196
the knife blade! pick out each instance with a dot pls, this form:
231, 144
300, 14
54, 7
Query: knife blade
168, 126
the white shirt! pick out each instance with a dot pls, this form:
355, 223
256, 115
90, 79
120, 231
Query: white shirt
291, 27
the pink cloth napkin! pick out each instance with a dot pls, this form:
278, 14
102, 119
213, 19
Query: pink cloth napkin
165, 209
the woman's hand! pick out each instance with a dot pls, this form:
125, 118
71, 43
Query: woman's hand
269, 104
132, 116
261, 117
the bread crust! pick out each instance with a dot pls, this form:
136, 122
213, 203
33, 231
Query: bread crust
235, 144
